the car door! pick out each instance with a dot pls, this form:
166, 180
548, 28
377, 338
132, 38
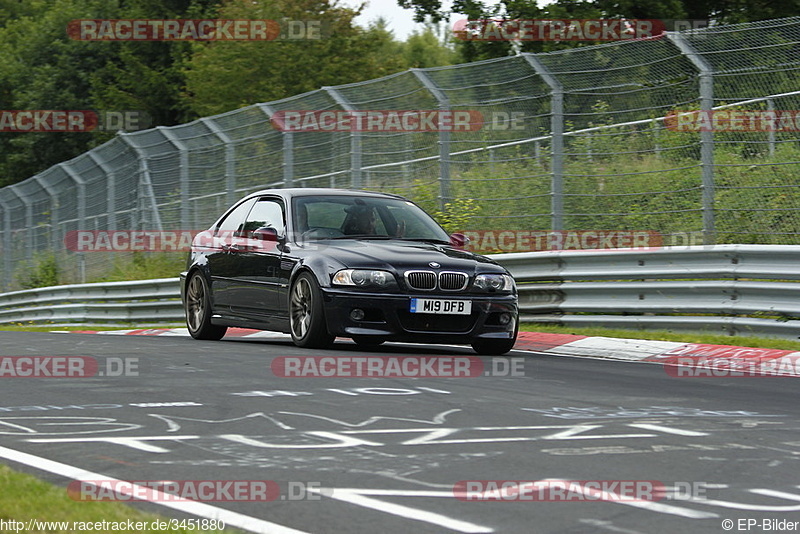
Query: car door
223, 259
258, 274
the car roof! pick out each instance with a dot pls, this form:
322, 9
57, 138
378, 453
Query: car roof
292, 192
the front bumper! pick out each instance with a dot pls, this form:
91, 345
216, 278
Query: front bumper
388, 316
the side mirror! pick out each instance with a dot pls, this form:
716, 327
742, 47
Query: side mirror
459, 240
266, 234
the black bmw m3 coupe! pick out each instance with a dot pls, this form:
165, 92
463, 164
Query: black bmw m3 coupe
322, 263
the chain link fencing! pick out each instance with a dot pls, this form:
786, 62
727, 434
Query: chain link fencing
578, 139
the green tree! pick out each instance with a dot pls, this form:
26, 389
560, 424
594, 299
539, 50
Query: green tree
716, 11
428, 49
42, 69
147, 76
221, 76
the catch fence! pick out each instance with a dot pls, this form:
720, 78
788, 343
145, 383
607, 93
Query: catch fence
569, 140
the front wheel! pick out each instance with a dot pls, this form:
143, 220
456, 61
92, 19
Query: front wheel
307, 315
495, 347
198, 310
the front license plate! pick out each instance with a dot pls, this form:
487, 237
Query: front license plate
441, 306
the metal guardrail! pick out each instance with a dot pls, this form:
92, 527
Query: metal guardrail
722, 289
142, 302
726, 289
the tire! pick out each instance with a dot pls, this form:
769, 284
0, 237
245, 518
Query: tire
368, 341
495, 347
307, 315
197, 309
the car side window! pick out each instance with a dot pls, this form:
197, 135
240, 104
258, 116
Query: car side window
267, 213
233, 223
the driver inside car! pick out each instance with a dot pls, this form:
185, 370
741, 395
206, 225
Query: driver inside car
360, 220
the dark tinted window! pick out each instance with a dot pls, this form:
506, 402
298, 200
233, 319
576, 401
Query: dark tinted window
234, 221
267, 213
338, 216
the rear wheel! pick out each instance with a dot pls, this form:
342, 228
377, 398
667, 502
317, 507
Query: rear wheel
198, 310
307, 315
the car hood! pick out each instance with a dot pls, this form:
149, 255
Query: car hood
394, 254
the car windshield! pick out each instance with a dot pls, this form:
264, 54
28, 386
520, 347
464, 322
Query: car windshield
362, 217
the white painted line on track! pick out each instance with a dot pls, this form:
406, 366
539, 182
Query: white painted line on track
668, 430
359, 497
234, 519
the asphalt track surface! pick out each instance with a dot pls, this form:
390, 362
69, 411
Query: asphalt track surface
369, 455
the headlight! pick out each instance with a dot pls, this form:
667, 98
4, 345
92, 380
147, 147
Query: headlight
363, 278
494, 282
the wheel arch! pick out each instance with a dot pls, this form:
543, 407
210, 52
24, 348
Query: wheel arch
196, 268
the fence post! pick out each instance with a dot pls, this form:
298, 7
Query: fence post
80, 192
556, 143
656, 137
355, 138
28, 222
183, 171
706, 75
230, 158
288, 148
771, 132
7, 253
145, 185
444, 136
111, 190
53, 211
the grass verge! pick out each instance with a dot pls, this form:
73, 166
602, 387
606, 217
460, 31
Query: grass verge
26, 497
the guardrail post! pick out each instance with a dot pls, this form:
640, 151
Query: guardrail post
355, 138
444, 136
230, 158
183, 172
706, 75
557, 141
145, 185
